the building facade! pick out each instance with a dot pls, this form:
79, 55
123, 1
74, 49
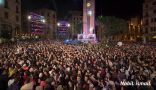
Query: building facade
51, 22
33, 25
10, 18
149, 20
76, 23
135, 31
63, 30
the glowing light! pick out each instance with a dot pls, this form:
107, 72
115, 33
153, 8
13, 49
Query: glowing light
90, 13
36, 37
154, 37
88, 4
91, 30
67, 40
29, 17
58, 24
68, 25
43, 20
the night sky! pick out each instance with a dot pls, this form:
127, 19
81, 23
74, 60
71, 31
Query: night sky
119, 8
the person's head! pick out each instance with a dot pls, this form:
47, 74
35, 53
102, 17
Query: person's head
78, 79
86, 78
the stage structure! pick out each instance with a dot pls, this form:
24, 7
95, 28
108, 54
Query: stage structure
36, 23
88, 22
63, 28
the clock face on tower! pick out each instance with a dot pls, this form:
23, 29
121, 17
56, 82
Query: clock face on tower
88, 4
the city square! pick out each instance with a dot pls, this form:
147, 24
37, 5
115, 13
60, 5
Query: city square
77, 45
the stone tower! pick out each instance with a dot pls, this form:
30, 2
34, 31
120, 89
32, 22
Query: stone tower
88, 17
88, 22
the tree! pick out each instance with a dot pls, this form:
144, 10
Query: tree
113, 26
79, 27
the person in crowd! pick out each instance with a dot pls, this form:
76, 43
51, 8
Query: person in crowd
49, 65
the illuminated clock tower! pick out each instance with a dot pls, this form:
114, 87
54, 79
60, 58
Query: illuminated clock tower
88, 16
88, 21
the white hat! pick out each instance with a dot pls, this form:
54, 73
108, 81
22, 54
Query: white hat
24, 65
10, 82
41, 75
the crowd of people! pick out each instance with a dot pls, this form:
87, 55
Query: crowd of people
49, 65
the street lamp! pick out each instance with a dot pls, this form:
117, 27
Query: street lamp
68, 25
29, 17
43, 20
58, 24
